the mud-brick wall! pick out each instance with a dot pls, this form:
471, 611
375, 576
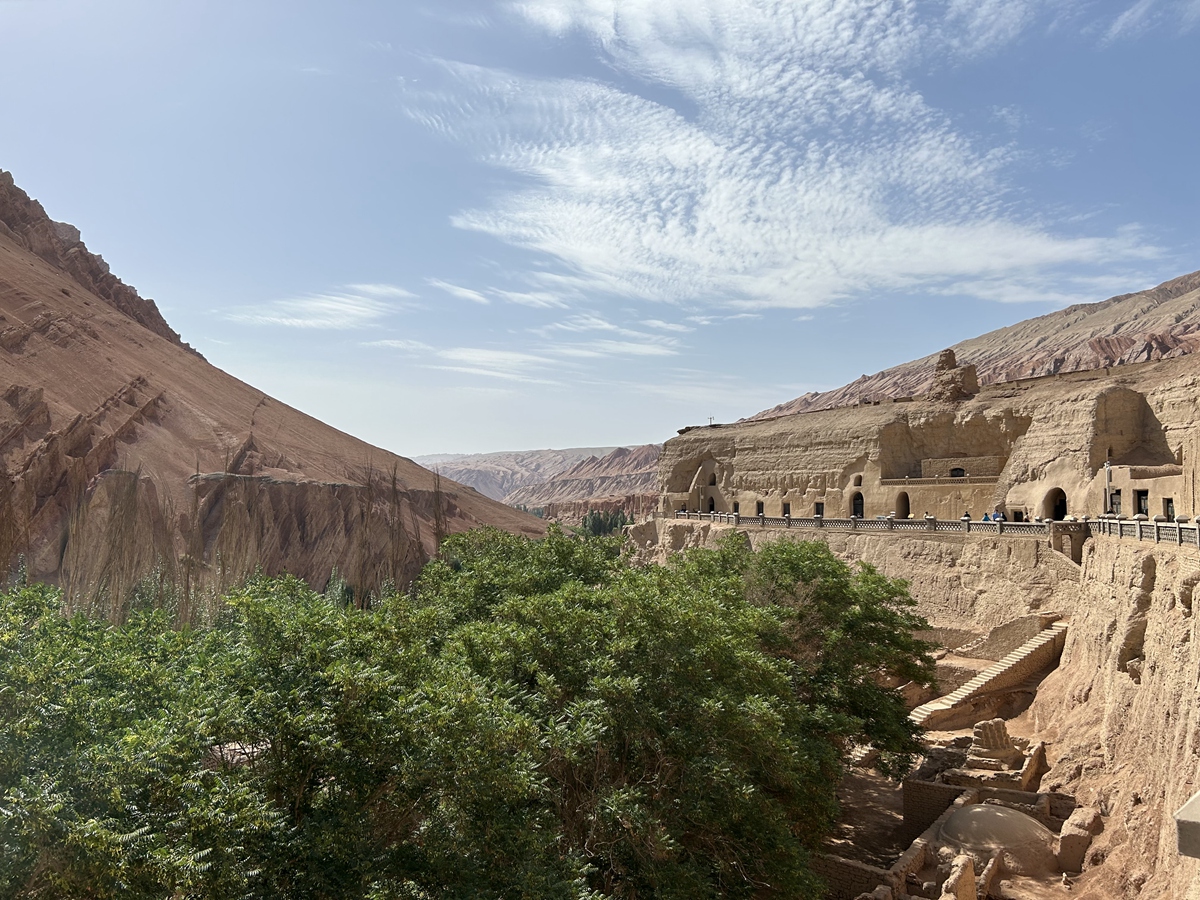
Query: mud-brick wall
924, 801
845, 878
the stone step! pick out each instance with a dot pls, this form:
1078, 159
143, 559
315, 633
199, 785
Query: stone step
1052, 633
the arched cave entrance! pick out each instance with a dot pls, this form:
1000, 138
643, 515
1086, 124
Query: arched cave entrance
856, 505
712, 504
956, 472
1055, 505
902, 505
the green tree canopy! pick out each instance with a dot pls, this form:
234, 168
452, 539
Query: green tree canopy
534, 719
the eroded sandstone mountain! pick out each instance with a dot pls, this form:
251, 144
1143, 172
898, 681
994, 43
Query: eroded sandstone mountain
24, 221
497, 475
123, 452
1161, 323
625, 479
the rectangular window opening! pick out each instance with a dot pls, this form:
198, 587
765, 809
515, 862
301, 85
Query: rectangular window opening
1141, 499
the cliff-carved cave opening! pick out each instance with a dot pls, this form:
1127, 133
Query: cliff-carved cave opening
903, 507
1054, 505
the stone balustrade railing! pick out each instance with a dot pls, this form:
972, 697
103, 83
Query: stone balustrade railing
884, 523
1156, 531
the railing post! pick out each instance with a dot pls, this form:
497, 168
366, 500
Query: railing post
999, 526
891, 520
820, 521
930, 523
762, 518
787, 521
966, 520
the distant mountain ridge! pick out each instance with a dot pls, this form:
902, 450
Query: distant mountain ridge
626, 471
499, 474
561, 484
1159, 323
624, 480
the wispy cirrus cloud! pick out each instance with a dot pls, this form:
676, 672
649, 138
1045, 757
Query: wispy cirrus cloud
462, 293
623, 342
603, 347
356, 306
400, 344
755, 153
536, 299
667, 326
487, 362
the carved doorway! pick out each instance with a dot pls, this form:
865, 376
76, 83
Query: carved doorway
902, 505
856, 505
1055, 505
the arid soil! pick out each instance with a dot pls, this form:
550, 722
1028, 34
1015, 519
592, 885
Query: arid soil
1161, 323
125, 451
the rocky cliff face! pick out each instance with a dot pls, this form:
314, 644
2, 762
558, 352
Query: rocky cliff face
1120, 714
497, 475
122, 453
1161, 323
1123, 714
1047, 435
626, 478
24, 222
976, 581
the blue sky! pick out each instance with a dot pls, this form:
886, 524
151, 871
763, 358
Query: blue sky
469, 226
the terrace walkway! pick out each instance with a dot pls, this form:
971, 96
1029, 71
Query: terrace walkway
1158, 532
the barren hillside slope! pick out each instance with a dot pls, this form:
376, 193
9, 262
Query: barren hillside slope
125, 450
1161, 323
